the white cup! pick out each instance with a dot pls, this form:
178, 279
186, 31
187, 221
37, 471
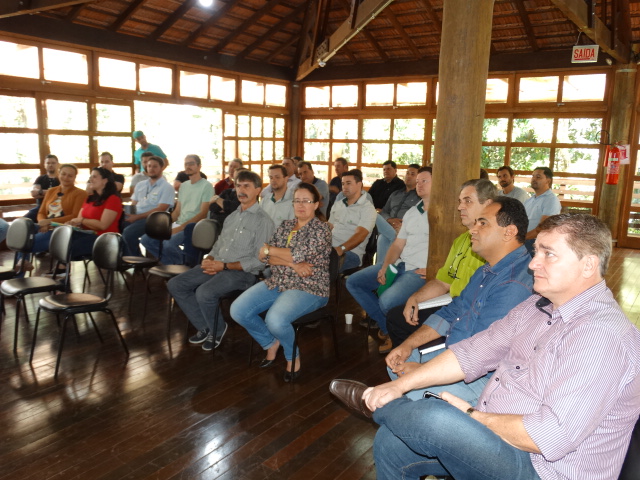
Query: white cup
348, 318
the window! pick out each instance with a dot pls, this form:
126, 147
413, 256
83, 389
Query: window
116, 73
194, 84
155, 79
581, 88
538, 89
62, 66
19, 60
19, 112
223, 89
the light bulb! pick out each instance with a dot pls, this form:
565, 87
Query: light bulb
206, 3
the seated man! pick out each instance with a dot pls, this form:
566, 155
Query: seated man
307, 175
408, 253
152, 195
142, 174
506, 177
454, 275
227, 182
542, 204
106, 161
279, 204
192, 206
340, 165
389, 219
565, 396
382, 188
292, 181
232, 264
352, 220
44, 183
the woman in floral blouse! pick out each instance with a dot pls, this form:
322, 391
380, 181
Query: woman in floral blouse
299, 257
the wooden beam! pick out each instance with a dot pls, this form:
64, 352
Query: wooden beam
578, 12
403, 33
527, 24
432, 15
212, 21
172, 19
126, 15
376, 46
267, 7
279, 50
367, 11
11, 8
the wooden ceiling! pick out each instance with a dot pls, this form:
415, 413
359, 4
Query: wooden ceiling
300, 35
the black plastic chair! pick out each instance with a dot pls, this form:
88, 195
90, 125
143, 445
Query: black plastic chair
107, 252
631, 466
21, 287
19, 240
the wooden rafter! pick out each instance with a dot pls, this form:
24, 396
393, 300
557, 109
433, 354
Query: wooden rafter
267, 7
212, 21
279, 50
11, 8
376, 46
527, 25
432, 15
126, 15
172, 19
305, 38
74, 12
402, 32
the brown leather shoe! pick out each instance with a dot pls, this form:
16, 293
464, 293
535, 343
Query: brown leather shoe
350, 393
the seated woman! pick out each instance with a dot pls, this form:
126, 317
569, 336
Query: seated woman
60, 204
299, 257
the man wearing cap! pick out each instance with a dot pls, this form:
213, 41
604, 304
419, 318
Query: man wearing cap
145, 146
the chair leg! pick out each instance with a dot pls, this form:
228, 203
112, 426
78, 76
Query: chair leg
169, 312
60, 344
115, 324
35, 333
215, 328
19, 300
95, 327
146, 297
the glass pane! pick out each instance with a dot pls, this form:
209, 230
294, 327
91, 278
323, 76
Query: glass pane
243, 150
17, 183
345, 150
406, 154
280, 127
279, 150
408, 129
492, 156
65, 115
317, 128
495, 130
533, 130
414, 93
267, 127
119, 147
18, 112
230, 150
64, 66
370, 175
315, 152
276, 95
379, 94
194, 84
156, 79
497, 90
243, 125
19, 60
70, 148
252, 92
344, 96
574, 189
634, 215
256, 150
113, 118
584, 88
577, 160
116, 73
579, 130
538, 89
267, 151
347, 128
229, 125
528, 158
376, 128
256, 126
375, 153
316, 97
19, 148
223, 89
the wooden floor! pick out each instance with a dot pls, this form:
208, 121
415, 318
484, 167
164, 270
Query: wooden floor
182, 413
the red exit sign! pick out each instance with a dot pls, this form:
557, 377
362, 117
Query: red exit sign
585, 54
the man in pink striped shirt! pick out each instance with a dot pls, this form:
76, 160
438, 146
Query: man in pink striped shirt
565, 393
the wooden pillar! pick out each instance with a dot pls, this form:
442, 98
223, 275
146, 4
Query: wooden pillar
294, 121
611, 197
463, 69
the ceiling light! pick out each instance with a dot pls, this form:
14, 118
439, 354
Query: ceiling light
206, 3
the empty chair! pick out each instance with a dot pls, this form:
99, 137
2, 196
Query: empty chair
19, 240
107, 252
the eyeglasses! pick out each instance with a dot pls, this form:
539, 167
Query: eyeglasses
190, 164
455, 265
304, 202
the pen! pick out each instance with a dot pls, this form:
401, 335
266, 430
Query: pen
413, 310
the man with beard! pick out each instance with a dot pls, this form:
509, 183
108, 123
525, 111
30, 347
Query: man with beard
506, 176
541, 205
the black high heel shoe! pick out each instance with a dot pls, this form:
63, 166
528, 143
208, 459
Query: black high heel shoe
291, 376
266, 363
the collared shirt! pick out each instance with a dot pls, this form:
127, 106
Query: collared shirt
347, 218
399, 203
155, 149
279, 210
323, 190
573, 372
242, 235
381, 190
546, 204
150, 196
415, 230
517, 193
291, 183
461, 264
191, 197
490, 294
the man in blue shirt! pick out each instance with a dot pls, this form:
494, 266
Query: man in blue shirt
542, 204
145, 146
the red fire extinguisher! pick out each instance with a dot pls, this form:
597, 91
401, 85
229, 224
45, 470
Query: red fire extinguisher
612, 163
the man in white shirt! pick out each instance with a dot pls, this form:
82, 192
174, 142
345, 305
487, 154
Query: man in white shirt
293, 179
278, 205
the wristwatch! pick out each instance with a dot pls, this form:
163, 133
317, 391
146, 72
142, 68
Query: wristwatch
344, 249
470, 411
225, 266
265, 250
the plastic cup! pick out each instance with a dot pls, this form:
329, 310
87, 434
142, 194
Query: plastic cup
348, 318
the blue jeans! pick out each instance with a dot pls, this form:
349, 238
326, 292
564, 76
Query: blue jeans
351, 260
191, 254
82, 244
198, 294
362, 286
469, 392
33, 213
432, 437
386, 236
171, 253
283, 309
4, 228
131, 235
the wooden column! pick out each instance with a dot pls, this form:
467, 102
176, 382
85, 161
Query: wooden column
463, 69
610, 207
294, 122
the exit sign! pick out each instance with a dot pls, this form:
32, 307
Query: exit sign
584, 54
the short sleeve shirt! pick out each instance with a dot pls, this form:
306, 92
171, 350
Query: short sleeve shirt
191, 198
546, 204
346, 218
149, 196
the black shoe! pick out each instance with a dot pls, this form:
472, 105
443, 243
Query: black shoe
291, 376
266, 363
368, 321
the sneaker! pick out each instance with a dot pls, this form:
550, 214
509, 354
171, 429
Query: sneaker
209, 344
199, 337
386, 346
219, 339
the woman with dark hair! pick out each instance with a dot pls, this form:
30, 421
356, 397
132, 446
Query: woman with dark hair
299, 254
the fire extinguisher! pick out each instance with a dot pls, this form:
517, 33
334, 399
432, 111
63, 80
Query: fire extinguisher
612, 163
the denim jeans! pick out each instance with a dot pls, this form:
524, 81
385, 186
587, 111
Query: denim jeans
198, 294
4, 228
469, 392
171, 253
362, 286
131, 236
351, 260
82, 244
432, 437
283, 309
386, 236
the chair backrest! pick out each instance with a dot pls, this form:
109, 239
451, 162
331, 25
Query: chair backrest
158, 226
631, 465
107, 251
205, 234
335, 262
60, 244
21, 234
